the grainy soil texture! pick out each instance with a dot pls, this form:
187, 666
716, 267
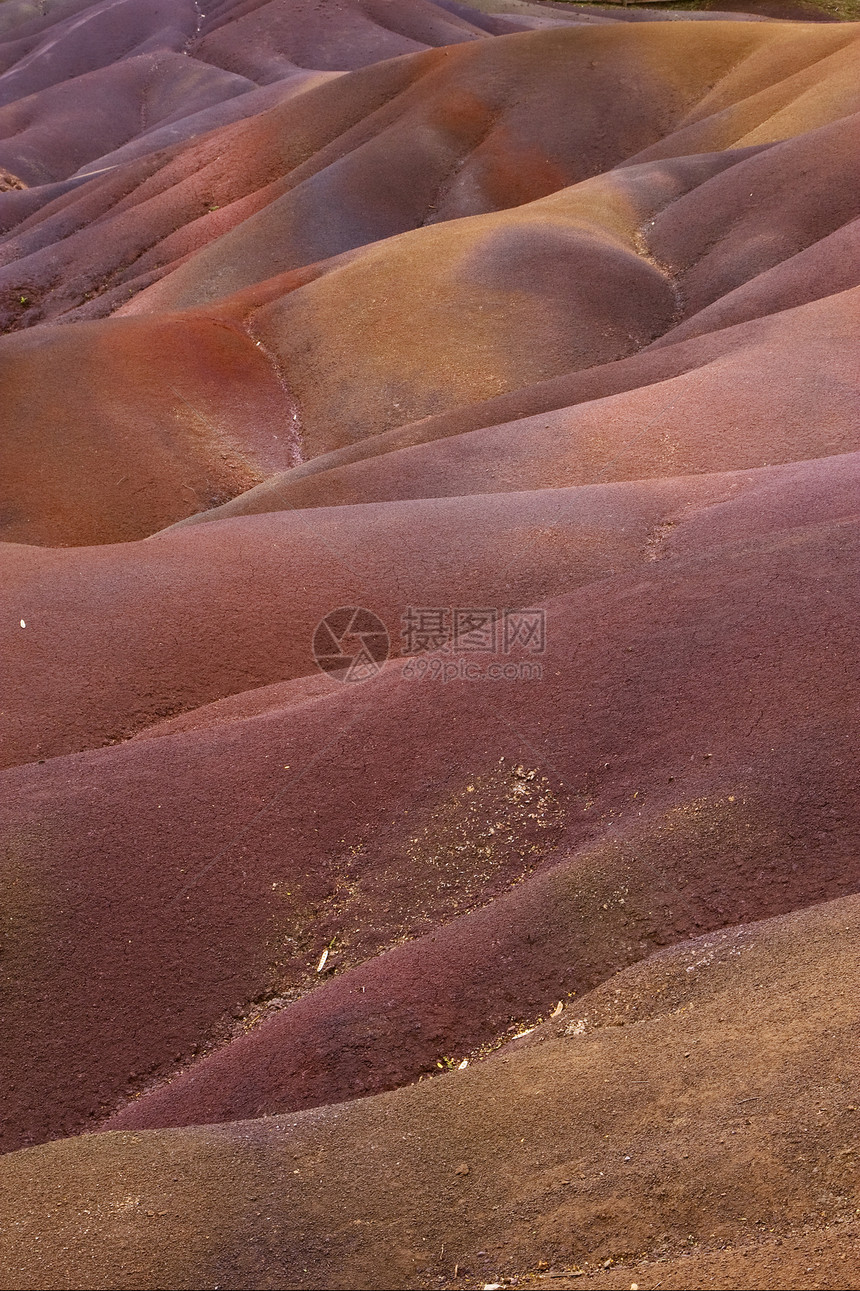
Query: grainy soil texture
430, 584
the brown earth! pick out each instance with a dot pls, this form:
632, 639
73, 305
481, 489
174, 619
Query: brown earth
650, 1115
507, 931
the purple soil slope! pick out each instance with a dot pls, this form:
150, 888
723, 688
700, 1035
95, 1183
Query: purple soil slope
429, 568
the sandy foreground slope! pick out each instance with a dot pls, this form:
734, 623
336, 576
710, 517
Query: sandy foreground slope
527, 955
652, 1114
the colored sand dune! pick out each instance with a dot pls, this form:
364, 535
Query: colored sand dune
429, 479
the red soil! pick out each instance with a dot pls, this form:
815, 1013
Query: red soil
442, 978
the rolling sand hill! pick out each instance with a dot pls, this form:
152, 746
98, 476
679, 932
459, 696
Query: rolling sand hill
519, 946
